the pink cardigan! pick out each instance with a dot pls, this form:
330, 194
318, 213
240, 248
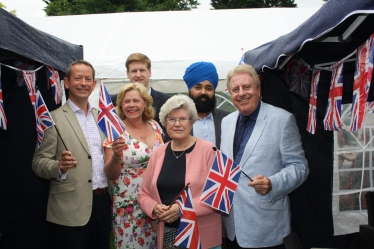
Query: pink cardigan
198, 163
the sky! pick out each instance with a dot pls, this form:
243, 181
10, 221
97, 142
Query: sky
34, 8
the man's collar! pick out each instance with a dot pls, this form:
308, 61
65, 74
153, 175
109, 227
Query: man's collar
76, 108
210, 115
253, 115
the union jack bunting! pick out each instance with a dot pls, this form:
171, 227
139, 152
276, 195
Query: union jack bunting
3, 120
311, 127
43, 118
188, 233
29, 77
109, 122
221, 183
332, 120
298, 76
361, 84
370, 107
54, 81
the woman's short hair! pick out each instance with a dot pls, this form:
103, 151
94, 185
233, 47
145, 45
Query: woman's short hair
148, 113
243, 68
179, 101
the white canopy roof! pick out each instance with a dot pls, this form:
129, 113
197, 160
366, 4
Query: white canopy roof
172, 40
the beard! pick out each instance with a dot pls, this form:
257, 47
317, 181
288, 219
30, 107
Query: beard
204, 106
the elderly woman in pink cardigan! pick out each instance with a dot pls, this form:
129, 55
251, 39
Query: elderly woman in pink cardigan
184, 159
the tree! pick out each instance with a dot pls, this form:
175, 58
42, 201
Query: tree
13, 12
241, 4
78, 7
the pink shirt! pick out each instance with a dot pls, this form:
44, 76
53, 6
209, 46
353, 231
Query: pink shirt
198, 164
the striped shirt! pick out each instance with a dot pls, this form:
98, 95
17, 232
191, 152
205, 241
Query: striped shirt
93, 139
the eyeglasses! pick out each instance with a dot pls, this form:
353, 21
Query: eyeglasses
174, 120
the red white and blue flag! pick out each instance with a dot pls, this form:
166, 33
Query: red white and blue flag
312, 118
188, 232
43, 117
29, 77
370, 107
54, 81
221, 183
361, 84
3, 120
332, 120
298, 76
241, 59
109, 122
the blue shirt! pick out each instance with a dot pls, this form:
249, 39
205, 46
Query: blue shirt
250, 125
204, 128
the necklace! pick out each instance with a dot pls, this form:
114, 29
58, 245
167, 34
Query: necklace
176, 155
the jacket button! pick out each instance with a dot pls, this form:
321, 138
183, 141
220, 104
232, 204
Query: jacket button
89, 157
89, 180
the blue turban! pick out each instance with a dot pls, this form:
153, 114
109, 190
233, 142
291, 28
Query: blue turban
200, 71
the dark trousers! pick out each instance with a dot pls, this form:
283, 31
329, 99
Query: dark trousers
234, 245
94, 235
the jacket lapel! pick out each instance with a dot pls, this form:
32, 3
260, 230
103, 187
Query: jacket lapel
231, 134
217, 126
256, 134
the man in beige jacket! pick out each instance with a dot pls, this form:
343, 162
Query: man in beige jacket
78, 205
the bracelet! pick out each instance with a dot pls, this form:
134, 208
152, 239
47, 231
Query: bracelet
116, 158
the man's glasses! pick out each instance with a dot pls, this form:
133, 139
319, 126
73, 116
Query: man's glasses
174, 120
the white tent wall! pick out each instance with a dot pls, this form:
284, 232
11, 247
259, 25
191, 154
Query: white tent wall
172, 39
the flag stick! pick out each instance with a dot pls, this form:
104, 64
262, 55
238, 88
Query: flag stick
62, 140
247, 176
60, 137
178, 196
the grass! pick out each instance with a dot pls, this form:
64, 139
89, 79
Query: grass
112, 240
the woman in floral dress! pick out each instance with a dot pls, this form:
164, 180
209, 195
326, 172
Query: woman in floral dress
126, 162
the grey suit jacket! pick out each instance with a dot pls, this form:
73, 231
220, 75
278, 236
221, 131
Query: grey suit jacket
273, 150
69, 201
218, 115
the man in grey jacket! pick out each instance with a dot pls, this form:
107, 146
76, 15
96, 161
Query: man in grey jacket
264, 140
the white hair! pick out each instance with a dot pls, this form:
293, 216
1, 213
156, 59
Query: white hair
179, 101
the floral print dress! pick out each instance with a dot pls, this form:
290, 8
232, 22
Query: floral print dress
133, 229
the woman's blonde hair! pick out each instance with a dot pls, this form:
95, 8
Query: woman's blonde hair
148, 113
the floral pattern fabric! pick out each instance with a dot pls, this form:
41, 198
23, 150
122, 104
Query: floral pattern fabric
132, 228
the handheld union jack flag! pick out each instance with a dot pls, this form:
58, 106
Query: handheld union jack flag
332, 120
361, 84
43, 117
109, 122
188, 232
3, 120
312, 120
54, 81
221, 183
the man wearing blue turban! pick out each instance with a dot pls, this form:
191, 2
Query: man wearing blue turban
202, 80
